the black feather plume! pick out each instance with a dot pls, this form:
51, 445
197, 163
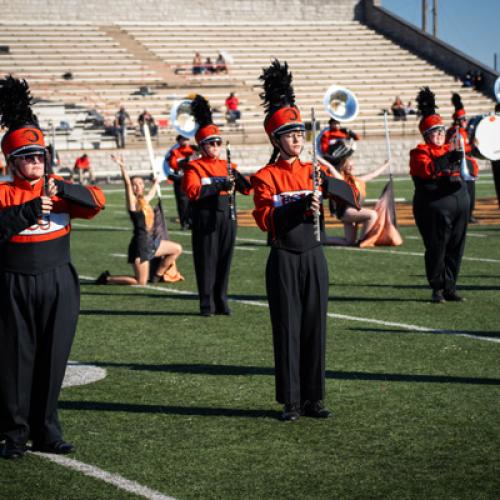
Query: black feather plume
277, 85
201, 111
15, 103
457, 101
426, 101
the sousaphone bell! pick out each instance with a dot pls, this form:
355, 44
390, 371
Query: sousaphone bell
341, 104
182, 118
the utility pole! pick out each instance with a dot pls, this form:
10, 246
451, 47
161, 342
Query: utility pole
435, 18
424, 15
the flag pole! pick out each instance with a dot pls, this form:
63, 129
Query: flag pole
151, 154
389, 159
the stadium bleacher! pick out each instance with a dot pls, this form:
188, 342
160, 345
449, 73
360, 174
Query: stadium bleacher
109, 63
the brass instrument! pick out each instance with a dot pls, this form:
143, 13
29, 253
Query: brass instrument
341, 104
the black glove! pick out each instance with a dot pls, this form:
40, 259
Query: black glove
290, 215
448, 163
224, 184
241, 182
75, 193
15, 219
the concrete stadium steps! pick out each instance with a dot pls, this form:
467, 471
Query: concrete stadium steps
110, 63
44, 54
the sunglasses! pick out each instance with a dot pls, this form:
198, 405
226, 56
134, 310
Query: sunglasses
33, 158
214, 142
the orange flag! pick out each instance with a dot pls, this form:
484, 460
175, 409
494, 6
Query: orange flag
384, 232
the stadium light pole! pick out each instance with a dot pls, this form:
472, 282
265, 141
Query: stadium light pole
424, 15
435, 18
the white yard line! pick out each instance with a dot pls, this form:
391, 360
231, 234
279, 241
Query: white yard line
114, 479
399, 252
404, 326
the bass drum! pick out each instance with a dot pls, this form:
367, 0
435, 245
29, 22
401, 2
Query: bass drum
484, 135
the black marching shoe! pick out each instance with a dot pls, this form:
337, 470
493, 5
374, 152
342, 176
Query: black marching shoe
315, 409
452, 296
57, 447
438, 297
291, 412
11, 450
103, 278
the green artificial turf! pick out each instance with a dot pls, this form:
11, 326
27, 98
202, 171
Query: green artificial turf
187, 407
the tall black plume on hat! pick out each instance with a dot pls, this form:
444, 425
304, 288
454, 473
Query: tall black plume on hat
277, 84
201, 111
15, 104
426, 101
456, 100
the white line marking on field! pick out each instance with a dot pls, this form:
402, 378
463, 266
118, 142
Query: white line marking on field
114, 479
399, 252
414, 328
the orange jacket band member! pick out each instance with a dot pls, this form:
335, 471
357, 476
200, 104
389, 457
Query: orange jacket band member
39, 287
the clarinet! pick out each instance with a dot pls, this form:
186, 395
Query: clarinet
229, 175
315, 176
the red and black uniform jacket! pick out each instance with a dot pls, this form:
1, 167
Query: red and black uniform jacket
177, 159
330, 137
471, 162
206, 183
31, 243
282, 197
435, 169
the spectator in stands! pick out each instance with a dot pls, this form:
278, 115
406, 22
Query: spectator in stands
122, 119
209, 68
233, 114
197, 64
467, 82
398, 109
144, 246
109, 127
478, 80
409, 109
220, 64
147, 118
83, 169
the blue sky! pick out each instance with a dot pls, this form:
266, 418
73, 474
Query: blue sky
471, 26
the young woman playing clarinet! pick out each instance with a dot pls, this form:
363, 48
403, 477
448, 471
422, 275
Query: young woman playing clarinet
296, 272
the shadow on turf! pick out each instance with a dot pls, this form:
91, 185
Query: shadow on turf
236, 370
107, 312
165, 409
473, 333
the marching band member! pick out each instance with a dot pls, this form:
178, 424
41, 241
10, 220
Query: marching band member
334, 137
296, 272
460, 126
39, 288
177, 158
441, 202
209, 183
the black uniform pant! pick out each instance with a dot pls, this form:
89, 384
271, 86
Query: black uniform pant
297, 291
213, 236
442, 223
38, 317
495, 168
471, 189
182, 202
